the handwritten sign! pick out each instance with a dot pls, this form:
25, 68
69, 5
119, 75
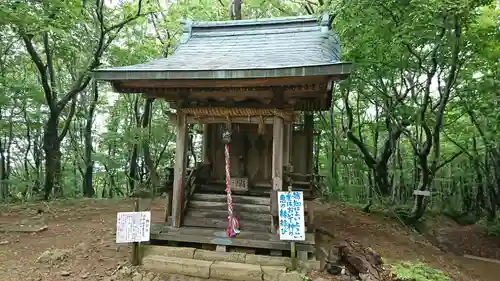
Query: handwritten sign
133, 227
291, 215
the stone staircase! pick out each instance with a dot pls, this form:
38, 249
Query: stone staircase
205, 264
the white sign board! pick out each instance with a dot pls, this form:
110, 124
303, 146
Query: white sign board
291, 215
422, 193
133, 227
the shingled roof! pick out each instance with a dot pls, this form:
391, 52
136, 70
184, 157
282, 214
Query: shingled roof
278, 47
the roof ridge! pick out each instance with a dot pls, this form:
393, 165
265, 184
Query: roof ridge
224, 33
249, 22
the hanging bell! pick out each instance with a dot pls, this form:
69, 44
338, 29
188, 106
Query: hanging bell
226, 137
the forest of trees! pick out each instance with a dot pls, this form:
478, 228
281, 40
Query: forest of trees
420, 110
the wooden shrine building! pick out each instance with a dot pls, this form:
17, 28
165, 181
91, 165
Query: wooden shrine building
252, 78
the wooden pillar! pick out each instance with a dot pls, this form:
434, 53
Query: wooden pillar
179, 169
287, 146
206, 143
277, 170
308, 130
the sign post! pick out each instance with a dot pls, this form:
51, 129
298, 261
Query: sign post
291, 219
133, 227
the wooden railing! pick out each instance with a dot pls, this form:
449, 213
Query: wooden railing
191, 183
189, 187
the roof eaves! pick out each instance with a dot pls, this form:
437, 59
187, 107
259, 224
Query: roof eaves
330, 69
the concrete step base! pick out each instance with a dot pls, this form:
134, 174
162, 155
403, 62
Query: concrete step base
220, 270
206, 264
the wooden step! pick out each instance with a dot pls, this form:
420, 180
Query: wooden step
299, 185
222, 223
218, 214
238, 199
221, 189
250, 239
207, 205
215, 188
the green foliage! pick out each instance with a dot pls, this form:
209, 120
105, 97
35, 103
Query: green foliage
460, 217
492, 227
407, 271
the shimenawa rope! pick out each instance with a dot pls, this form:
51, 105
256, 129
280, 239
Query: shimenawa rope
232, 225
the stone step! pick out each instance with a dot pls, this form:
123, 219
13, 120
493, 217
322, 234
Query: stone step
205, 264
220, 270
237, 199
206, 255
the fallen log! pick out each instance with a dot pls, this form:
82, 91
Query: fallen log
361, 261
352, 259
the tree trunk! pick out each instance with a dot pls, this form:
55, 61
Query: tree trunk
28, 192
333, 158
75, 170
132, 172
37, 158
150, 165
496, 162
4, 188
480, 201
88, 189
52, 149
235, 9
492, 208
423, 184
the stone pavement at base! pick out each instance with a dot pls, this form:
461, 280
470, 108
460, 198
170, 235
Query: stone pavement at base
206, 264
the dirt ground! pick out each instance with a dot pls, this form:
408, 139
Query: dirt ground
397, 243
83, 233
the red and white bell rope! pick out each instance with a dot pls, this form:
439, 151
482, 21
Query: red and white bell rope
232, 225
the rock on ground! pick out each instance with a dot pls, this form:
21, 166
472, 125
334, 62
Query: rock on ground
130, 273
53, 256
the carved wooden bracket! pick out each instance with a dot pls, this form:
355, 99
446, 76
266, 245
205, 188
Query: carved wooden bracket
278, 97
